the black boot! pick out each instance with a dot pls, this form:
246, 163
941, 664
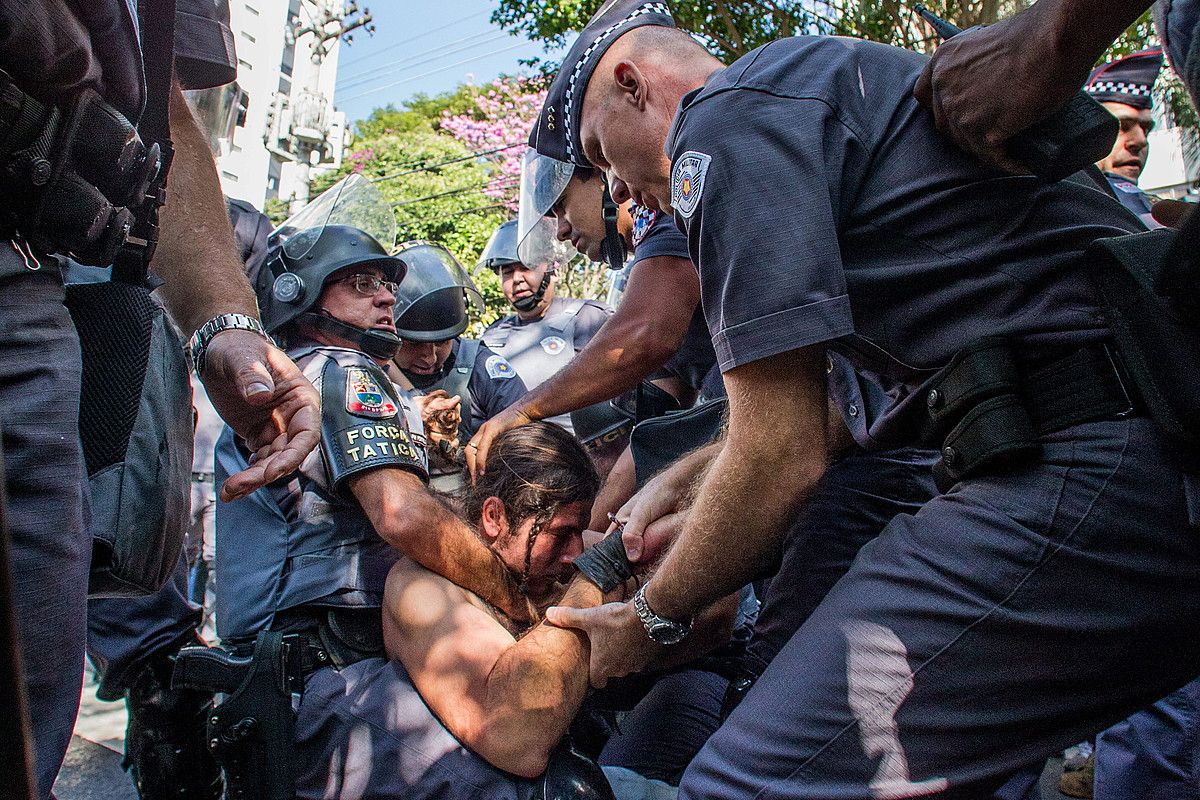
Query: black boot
166, 742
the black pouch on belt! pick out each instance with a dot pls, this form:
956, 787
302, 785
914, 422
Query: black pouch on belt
135, 421
1152, 309
977, 414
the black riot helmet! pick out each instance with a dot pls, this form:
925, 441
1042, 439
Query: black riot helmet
501, 250
431, 305
349, 225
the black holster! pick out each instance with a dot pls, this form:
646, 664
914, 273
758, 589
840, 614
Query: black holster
251, 734
1150, 289
989, 407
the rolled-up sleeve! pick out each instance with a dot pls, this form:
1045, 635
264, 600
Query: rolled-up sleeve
204, 51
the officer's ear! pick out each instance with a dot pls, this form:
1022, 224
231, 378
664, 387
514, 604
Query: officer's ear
631, 84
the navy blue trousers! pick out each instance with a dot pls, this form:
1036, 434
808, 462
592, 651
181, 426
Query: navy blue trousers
124, 630
857, 497
40, 371
1005, 620
1155, 753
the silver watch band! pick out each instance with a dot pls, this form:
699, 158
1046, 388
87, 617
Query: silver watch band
198, 345
659, 629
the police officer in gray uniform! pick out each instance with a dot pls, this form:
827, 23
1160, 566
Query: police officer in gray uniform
58, 54
940, 277
307, 557
431, 314
546, 331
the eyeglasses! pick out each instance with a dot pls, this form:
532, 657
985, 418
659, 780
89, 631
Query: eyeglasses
369, 285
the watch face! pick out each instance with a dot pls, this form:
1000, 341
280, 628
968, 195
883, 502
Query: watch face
668, 633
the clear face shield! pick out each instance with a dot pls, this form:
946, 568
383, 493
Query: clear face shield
217, 112
543, 180
352, 201
433, 270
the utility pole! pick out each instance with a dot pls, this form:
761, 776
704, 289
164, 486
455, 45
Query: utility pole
332, 21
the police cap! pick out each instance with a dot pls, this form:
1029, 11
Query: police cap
556, 133
1127, 80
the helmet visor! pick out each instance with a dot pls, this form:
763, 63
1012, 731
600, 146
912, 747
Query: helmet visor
543, 180
216, 111
432, 268
353, 201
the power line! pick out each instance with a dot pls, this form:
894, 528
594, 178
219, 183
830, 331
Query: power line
421, 166
409, 40
503, 183
433, 71
437, 217
417, 60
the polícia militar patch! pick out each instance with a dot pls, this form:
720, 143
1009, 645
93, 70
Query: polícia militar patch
553, 345
498, 367
687, 181
364, 397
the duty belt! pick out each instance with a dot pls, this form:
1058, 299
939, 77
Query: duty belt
987, 410
252, 733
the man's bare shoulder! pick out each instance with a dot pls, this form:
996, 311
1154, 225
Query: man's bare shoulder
417, 598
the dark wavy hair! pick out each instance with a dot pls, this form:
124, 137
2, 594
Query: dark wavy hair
535, 470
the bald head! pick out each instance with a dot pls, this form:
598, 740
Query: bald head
629, 105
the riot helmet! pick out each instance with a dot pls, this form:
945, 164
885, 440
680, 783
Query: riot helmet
501, 248
350, 224
501, 251
543, 181
431, 305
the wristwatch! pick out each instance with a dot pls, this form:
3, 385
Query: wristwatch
198, 344
659, 629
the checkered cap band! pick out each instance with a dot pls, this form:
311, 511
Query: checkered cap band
1119, 87
601, 41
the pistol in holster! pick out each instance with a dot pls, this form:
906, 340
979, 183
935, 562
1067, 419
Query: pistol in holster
251, 734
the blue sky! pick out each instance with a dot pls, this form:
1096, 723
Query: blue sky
425, 46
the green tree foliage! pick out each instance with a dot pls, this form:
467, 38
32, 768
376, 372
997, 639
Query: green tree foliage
444, 204
731, 28
276, 210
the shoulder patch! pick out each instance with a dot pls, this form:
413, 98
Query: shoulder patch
553, 345
498, 367
643, 219
687, 181
365, 397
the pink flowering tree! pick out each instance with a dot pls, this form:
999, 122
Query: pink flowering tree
505, 111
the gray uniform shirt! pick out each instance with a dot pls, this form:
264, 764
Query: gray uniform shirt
821, 205
537, 349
